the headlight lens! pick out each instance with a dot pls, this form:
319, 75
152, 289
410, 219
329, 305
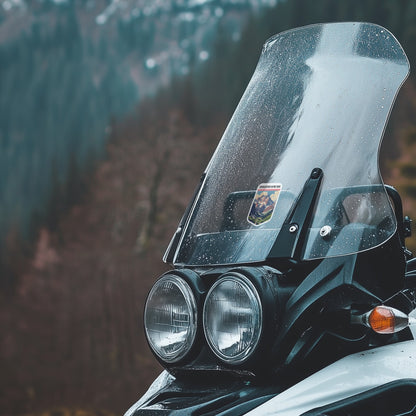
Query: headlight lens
233, 318
170, 318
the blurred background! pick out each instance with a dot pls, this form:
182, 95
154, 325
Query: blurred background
109, 112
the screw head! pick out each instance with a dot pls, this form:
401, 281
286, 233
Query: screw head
293, 228
316, 172
325, 231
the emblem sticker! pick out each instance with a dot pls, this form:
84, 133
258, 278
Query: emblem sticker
264, 202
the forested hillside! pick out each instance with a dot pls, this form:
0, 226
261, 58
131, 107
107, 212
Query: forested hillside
69, 70
72, 327
55, 107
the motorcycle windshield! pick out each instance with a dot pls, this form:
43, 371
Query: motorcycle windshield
319, 98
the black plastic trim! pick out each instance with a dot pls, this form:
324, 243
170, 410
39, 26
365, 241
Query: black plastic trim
290, 239
214, 397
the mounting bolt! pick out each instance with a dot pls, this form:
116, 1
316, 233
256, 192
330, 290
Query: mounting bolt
293, 228
325, 231
316, 173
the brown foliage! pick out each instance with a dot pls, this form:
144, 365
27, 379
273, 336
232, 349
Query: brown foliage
72, 334
399, 165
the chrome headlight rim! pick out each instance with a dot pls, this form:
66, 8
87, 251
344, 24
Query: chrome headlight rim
189, 296
250, 288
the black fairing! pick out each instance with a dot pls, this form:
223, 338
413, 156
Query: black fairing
306, 309
313, 316
208, 397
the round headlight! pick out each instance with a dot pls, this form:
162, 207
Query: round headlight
170, 318
233, 318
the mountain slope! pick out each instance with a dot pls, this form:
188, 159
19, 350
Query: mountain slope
78, 303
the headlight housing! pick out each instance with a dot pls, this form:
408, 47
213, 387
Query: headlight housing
170, 318
233, 318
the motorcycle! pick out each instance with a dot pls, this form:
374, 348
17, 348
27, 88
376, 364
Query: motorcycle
292, 289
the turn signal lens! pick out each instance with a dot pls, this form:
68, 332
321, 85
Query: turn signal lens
386, 320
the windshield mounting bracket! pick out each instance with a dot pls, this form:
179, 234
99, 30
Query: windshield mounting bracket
289, 241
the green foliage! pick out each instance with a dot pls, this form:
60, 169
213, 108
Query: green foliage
137, 34
55, 104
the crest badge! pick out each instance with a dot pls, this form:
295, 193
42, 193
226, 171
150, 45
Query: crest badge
264, 203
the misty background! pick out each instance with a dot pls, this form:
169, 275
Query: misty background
109, 113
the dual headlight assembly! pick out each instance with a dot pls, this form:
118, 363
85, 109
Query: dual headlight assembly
231, 313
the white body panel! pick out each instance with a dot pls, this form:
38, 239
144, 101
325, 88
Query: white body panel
351, 375
161, 381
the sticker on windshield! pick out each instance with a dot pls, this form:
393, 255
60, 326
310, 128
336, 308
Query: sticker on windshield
264, 202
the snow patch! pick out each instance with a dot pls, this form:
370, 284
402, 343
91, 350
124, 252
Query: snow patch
219, 12
203, 55
196, 3
10, 4
108, 12
150, 63
186, 16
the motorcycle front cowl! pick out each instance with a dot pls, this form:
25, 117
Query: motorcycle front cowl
290, 233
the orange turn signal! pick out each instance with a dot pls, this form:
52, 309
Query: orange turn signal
386, 320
